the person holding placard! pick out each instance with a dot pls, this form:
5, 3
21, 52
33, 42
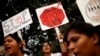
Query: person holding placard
82, 39
14, 45
63, 45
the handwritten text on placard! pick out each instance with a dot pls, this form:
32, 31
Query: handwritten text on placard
16, 22
52, 16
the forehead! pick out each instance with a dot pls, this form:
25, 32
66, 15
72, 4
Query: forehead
74, 34
46, 43
8, 37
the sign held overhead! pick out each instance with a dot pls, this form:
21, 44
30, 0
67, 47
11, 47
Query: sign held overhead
17, 22
90, 10
51, 16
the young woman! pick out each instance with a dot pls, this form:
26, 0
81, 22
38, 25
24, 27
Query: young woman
82, 39
47, 50
13, 45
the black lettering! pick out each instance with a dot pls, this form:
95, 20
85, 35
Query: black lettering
17, 26
92, 9
11, 20
26, 21
23, 15
89, 9
98, 6
95, 8
10, 30
6, 27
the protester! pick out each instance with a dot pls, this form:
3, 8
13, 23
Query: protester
63, 45
82, 39
47, 49
14, 45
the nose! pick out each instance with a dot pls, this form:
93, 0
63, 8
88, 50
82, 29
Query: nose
5, 43
71, 46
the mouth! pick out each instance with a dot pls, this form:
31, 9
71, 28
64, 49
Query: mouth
46, 48
76, 54
7, 49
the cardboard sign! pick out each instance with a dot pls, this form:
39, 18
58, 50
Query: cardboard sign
16, 22
90, 10
51, 16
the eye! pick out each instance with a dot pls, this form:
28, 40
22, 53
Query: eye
9, 40
74, 39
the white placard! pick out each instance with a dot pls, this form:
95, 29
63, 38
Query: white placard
90, 10
49, 16
17, 22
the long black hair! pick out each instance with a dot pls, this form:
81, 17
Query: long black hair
97, 30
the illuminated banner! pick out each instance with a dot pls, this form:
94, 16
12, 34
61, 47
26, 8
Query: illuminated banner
51, 16
90, 10
16, 22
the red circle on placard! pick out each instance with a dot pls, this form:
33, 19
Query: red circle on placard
52, 17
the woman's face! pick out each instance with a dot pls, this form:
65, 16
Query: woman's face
11, 46
80, 44
46, 48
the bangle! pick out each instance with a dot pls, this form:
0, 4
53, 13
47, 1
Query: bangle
60, 40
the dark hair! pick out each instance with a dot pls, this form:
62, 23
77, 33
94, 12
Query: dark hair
97, 30
46, 42
80, 27
17, 38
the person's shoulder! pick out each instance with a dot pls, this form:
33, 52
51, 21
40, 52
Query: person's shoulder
56, 54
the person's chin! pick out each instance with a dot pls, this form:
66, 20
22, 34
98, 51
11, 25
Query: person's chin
77, 54
9, 52
47, 51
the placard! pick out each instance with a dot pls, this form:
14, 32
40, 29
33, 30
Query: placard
90, 10
16, 22
51, 16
